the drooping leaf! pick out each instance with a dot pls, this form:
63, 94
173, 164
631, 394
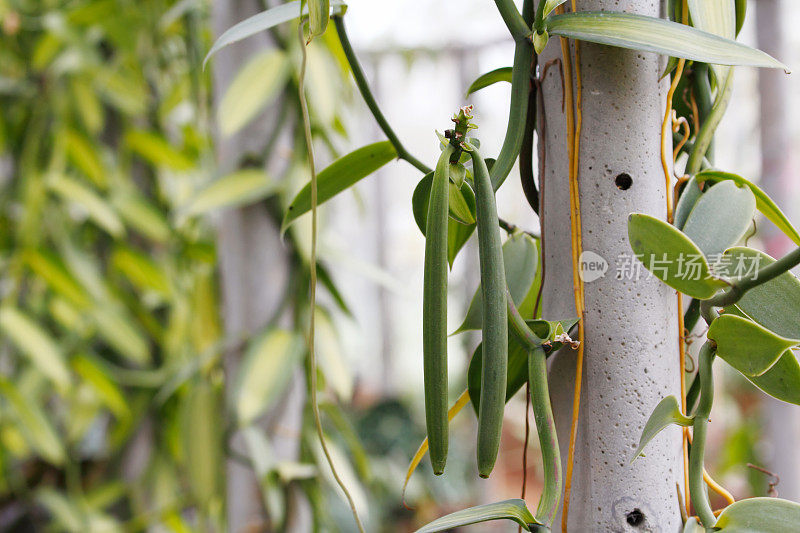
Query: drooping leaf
262, 375
257, 84
332, 362
84, 156
263, 21
117, 327
689, 196
50, 268
141, 270
514, 509
157, 151
339, 176
98, 209
202, 438
108, 391
33, 341
776, 304
782, 381
36, 427
746, 346
520, 259
142, 216
720, 218
717, 17
764, 203
671, 256
242, 187
490, 78
318, 11
667, 412
759, 515
650, 34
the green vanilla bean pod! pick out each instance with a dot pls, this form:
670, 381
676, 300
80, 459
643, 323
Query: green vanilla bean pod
495, 320
548, 439
434, 313
700, 429
518, 112
318, 11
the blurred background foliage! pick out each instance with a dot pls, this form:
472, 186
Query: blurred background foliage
117, 410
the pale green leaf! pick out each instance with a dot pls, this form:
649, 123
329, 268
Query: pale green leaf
98, 209
340, 175
666, 413
33, 341
764, 203
649, 34
141, 215
671, 256
514, 509
759, 515
490, 78
263, 21
331, 359
103, 385
318, 11
269, 358
520, 258
84, 156
36, 427
118, 329
239, 188
689, 196
720, 217
257, 84
156, 150
51, 269
717, 17
141, 270
202, 434
550, 5
746, 346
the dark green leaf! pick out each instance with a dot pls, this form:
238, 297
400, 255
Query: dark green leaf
649, 34
339, 176
490, 78
782, 381
514, 509
671, 256
461, 202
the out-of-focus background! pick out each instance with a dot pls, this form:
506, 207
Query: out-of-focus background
151, 317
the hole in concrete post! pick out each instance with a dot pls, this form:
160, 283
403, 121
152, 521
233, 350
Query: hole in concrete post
635, 517
623, 181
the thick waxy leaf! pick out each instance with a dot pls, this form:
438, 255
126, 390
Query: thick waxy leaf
457, 236
649, 34
520, 258
759, 515
720, 217
763, 202
262, 375
693, 526
666, 413
513, 509
461, 202
340, 175
35, 426
263, 21
490, 78
776, 304
36, 344
239, 188
689, 196
318, 11
98, 209
746, 346
671, 256
782, 381
255, 86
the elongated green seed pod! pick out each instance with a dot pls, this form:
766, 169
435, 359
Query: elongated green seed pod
318, 11
434, 313
548, 439
495, 320
518, 111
